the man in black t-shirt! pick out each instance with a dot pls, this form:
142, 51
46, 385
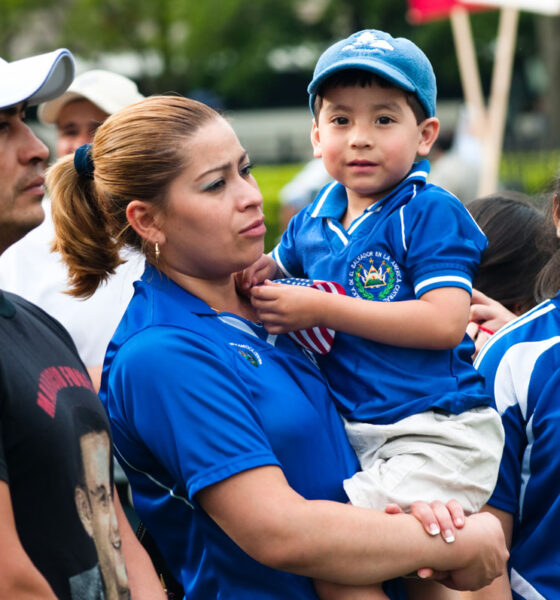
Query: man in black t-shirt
64, 534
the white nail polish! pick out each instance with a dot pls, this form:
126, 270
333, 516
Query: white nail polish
434, 529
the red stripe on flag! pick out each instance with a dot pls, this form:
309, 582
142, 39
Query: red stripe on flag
316, 339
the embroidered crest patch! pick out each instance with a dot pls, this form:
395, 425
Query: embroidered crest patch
374, 275
248, 353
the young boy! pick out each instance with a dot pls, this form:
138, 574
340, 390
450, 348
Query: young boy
406, 252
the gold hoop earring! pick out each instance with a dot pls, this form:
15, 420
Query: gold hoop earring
156, 251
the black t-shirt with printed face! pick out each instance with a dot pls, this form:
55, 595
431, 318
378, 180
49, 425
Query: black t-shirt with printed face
55, 454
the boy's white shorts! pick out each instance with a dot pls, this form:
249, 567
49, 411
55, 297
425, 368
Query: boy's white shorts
429, 456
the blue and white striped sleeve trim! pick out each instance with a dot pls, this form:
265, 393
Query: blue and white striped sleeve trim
432, 283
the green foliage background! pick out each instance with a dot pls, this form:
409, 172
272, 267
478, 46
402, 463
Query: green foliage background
225, 46
271, 179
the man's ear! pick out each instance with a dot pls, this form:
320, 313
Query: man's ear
429, 130
83, 508
143, 220
316, 141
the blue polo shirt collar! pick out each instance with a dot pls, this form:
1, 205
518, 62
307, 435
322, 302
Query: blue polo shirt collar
189, 302
333, 201
173, 304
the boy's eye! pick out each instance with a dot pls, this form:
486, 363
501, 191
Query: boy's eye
340, 120
384, 120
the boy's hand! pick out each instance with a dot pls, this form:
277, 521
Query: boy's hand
284, 308
263, 268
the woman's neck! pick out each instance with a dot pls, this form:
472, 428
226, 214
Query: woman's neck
220, 295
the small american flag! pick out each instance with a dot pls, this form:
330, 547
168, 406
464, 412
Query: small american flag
316, 339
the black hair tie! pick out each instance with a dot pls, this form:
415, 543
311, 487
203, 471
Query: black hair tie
83, 163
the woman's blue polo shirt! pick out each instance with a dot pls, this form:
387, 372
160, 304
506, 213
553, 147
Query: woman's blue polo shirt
195, 397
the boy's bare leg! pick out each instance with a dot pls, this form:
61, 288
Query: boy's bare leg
327, 590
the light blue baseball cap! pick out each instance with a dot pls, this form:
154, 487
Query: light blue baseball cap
397, 60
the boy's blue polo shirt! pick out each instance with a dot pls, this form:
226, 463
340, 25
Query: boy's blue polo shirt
195, 397
521, 368
416, 239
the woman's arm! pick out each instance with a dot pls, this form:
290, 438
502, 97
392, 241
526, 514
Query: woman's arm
500, 588
19, 578
436, 321
142, 578
343, 543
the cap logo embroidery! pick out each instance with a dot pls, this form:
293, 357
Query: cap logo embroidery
367, 39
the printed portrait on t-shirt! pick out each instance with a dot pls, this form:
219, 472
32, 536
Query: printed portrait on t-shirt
95, 506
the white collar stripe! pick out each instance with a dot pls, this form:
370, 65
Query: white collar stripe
238, 324
322, 199
403, 228
423, 174
357, 223
338, 231
276, 257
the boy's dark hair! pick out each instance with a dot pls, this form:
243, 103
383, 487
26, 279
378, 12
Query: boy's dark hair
359, 77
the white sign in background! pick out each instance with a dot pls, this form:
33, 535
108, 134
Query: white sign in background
547, 7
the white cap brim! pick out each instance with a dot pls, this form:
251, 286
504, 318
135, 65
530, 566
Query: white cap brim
109, 91
35, 79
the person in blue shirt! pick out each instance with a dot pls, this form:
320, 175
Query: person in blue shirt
520, 364
406, 252
228, 435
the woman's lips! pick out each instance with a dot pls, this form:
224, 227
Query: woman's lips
256, 228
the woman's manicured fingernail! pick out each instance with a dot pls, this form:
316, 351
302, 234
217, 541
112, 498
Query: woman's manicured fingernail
448, 536
434, 529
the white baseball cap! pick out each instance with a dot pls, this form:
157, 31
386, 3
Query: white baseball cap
35, 79
108, 91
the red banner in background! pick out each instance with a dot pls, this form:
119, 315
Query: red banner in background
422, 11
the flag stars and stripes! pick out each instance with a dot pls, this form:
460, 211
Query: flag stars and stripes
317, 339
